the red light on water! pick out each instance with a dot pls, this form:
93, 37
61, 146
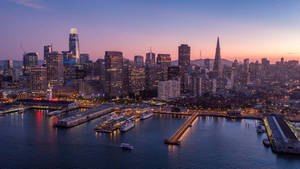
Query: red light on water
37, 99
53, 100
39, 114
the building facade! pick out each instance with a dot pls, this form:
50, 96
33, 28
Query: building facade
113, 73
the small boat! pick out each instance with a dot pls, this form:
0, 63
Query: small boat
260, 129
266, 142
146, 115
127, 126
126, 146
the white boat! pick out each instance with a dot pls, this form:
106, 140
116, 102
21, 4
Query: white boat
126, 146
127, 126
146, 115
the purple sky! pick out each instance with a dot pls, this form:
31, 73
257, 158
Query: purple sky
253, 29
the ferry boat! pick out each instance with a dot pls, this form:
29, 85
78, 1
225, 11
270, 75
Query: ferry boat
146, 115
260, 129
266, 142
127, 126
126, 146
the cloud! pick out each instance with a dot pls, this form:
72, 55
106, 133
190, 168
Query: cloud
35, 4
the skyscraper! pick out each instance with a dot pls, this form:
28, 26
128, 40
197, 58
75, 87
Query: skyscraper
138, 60
184, 59
113, 73
150, 59
84, 58
29, 60
163, 62
218, 62
55, 69
184, 55
38, 79
74, 44
47, 50
151, 72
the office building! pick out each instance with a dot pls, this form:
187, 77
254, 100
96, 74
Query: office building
184, 59
29, 60
113, 73
55, 69
168, 89
139, 61
74, 44
163, 62
218, 62
84, 58
38, 79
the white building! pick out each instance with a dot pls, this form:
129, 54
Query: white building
168, 89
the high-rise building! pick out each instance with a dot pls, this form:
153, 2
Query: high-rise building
8, 64
137, 79
38, 79
47, 50
29, 60
151, 79
113, 73
218, 62
84, 58
184, 59
163, 62
150, 59
246, 65
8, 69
127, 64
138, 60
184, 55
74, 44
55, 69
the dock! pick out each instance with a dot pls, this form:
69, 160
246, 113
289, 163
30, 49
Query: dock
280, 135
13, 110
176, 138
85, 116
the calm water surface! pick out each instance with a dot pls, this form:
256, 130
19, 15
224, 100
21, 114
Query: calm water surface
30, 141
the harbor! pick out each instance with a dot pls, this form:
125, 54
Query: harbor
85, 116
198, 147
122, 119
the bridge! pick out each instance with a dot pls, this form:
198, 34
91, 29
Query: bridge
176, 138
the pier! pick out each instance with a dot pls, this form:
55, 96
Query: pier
176, 138
280, 135
13, 110
86, 116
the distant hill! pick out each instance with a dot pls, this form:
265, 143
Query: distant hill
200, 62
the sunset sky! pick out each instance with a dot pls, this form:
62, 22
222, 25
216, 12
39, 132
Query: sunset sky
247, 28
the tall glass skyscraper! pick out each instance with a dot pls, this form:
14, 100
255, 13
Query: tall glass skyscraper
74, 44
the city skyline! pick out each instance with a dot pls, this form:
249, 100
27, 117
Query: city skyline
246, 29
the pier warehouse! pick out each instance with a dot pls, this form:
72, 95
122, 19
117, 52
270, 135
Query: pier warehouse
86, 116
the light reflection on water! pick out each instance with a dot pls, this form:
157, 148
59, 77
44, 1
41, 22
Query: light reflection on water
210, 143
